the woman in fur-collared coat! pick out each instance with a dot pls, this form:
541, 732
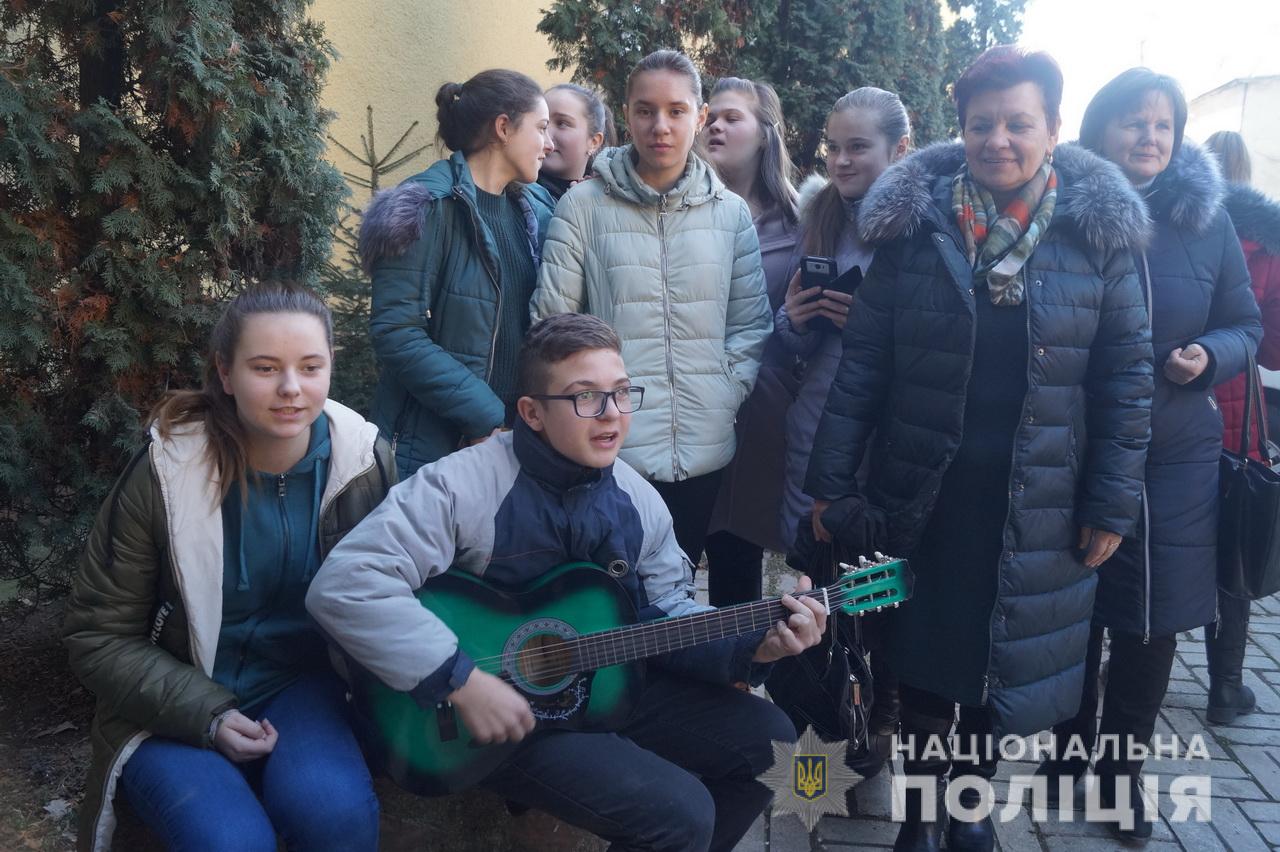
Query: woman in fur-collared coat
996, 370
1204, 324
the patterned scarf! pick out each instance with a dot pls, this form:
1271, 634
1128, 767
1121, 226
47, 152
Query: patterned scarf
998, 244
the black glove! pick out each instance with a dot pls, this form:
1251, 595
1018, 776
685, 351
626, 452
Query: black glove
856, 527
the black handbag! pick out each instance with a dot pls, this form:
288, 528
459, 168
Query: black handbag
828, 687
1249, 508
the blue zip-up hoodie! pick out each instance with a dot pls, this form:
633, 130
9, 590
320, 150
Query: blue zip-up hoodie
271, 551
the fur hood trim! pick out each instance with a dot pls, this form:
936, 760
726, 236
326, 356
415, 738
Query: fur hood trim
1255, 216
1190, 189
1094, 194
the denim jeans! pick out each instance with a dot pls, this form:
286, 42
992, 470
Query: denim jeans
313, 789
679, 775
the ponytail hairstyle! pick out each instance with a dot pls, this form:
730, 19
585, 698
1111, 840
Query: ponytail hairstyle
825, 216
599, 119
465, 112
776, 170
610, 129
228, 445
673, 61
1228, 146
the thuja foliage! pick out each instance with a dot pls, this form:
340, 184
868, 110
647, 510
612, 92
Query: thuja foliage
155, 157
343, 279
812, 51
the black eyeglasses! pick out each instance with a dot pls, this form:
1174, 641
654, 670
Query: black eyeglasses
592, 403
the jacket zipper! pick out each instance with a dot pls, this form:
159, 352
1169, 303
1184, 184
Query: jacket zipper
477, 226
397, 427
343, 490
1146, 568
248, 639
1008, 509
666, 325
1146, 510
973, 343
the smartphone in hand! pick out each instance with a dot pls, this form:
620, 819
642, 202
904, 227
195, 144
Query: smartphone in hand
821, 272
817, 271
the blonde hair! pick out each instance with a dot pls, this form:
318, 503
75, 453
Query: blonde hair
825, 217
1233, 155
776, 170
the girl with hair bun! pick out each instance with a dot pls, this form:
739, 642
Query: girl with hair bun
219, 718
453, 254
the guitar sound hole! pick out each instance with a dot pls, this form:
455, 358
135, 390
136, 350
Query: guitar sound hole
544, 660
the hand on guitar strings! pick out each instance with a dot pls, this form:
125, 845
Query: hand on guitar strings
492, 710
802, 629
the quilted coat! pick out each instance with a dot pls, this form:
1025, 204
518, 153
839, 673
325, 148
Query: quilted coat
1164, 580
679, 277
1080, 442
434, 267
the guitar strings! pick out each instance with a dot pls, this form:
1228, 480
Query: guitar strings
556, 657
592, 641
535, 665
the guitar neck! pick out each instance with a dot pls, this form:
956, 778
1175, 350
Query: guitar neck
651, 638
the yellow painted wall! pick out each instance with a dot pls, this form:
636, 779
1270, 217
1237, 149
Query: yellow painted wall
394, 54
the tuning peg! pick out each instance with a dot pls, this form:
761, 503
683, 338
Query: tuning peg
863, 562
895, 604
880, 557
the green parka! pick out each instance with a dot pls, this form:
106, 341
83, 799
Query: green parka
436, 302
145, 609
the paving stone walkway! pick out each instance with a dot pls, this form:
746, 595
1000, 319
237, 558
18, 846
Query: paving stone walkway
1244, 764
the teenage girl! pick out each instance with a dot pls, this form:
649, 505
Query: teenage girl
657, 247
580, 126
453, 254
218, 716
745, 140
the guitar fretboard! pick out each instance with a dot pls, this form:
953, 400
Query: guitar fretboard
651, 638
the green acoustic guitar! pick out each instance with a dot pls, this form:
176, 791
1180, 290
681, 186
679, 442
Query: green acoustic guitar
570, 643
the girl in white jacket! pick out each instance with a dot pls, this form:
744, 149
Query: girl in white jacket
662, 251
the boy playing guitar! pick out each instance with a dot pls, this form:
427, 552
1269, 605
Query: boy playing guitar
679, 772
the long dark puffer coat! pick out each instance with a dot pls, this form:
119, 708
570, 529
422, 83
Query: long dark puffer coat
1079, 446
1164, 580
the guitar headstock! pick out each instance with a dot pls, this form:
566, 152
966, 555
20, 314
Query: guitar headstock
872, 584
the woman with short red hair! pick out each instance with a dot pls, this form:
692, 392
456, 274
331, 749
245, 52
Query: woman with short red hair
997, 369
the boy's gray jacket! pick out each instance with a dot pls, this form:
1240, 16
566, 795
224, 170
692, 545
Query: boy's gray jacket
508, 510
679, 277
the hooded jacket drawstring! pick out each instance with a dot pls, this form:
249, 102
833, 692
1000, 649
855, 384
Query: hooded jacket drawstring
242, 580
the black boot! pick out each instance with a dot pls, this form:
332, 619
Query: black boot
976, 756
931, 761
885, 711
1054, 770
1112, 779
1140, 668
1224, 645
